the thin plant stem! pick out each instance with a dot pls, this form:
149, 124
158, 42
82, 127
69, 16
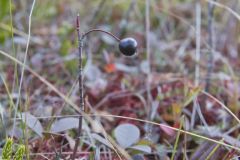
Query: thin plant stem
177, 139
235, 14
197, 55
213, 151
223, 105
198, 42
15, 82
148, 81
23, 67
80, 80
100, 30
210, 42
80, 77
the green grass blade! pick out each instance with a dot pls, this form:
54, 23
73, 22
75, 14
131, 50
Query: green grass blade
177, 140
213, 151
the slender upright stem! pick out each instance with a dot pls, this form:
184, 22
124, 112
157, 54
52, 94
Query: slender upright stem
80, 80
148, 82
198, 41
80, 77
210, 42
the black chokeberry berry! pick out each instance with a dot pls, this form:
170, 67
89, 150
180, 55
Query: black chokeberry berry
128, 46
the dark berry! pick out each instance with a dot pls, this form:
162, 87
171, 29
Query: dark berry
128, 46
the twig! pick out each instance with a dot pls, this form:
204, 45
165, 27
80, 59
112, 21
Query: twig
211, 45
